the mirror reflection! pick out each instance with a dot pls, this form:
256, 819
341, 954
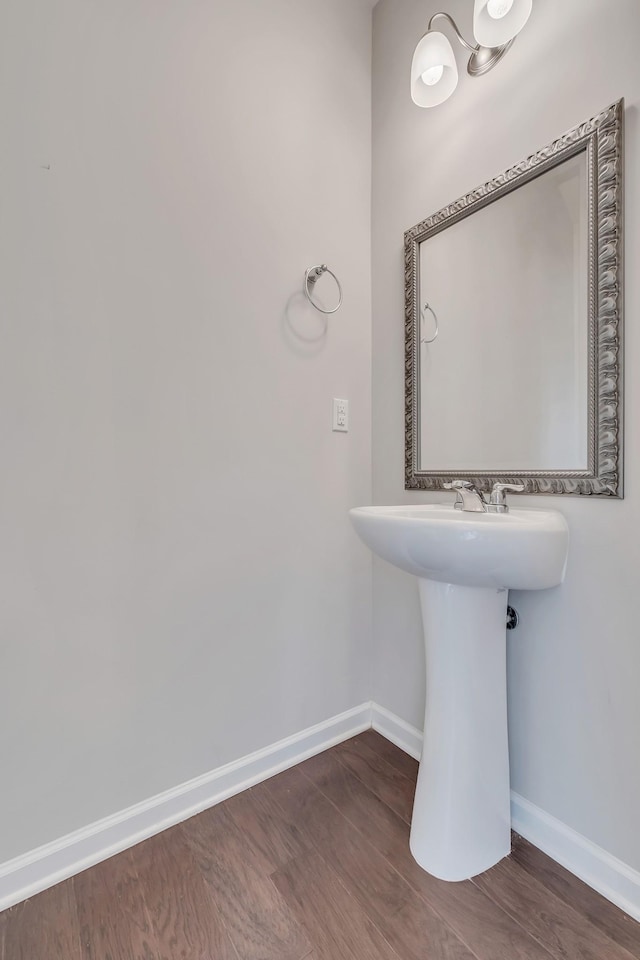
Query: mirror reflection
504, 384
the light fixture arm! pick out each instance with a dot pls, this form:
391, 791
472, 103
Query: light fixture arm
482, 59
462, 40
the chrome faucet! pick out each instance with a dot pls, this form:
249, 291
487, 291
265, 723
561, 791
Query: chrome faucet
470, 499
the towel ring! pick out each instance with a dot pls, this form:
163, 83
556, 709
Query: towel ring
433, 313
312, 275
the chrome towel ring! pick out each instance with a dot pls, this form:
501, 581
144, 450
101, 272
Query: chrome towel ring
311, 276
433, 313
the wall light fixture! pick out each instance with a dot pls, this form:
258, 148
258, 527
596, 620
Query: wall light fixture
434, 72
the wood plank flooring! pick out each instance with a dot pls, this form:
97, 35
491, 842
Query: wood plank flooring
314, 864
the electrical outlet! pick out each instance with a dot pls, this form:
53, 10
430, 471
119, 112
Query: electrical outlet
340, 415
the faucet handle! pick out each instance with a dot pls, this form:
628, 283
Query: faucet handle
457, 485
498, 488
498, 499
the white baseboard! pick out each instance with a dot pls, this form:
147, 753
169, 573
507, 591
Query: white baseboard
611, 877
391, 727
47, 865
614, 879
33, 872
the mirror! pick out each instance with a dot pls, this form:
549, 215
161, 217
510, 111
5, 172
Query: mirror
513, 324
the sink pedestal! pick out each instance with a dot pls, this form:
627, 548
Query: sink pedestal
465, 563
461, 821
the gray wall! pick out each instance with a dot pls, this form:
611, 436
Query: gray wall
574, 663
179, 583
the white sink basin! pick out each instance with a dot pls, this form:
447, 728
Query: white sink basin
521, 550
465, 562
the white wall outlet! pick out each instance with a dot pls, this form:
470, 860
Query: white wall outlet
340, 415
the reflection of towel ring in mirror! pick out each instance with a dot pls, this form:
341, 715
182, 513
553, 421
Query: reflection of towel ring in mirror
312, 275
433, 313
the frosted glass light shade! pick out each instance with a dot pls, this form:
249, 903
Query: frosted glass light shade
434, 50
492, 32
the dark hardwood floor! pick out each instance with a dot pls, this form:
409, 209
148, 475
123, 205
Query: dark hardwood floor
315, 864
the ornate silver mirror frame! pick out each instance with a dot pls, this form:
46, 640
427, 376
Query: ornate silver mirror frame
601, 139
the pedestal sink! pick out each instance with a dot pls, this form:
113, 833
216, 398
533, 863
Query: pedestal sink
466, 563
